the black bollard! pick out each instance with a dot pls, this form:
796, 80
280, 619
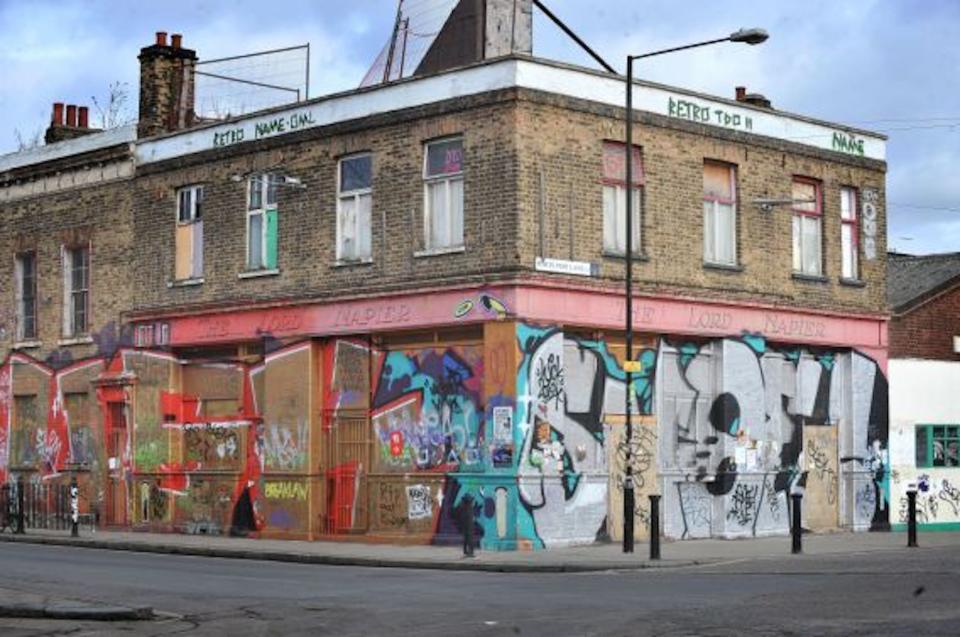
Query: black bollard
629, 504
74, 508
654, 527
912, 518
20, 498
467, 525
796, 529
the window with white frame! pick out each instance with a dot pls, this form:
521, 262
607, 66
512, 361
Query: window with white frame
189, 235
76, 290
26, 284
262, 222
614, 183
443, 194
354, 200
719, 213
807, 227
849, 233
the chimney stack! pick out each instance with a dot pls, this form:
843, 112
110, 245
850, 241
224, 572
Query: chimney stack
753, 99
167, 80
68, 121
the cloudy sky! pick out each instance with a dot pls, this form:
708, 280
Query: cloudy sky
887, 65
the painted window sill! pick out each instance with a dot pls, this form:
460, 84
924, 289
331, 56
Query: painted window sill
436, 252
75, 340
732, 268
346, 263
637, 256
255, 274
809, 278
185, 283
853, 283
27, 344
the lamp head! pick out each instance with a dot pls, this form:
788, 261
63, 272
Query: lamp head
749, 36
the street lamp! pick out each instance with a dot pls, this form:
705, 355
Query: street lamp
746, 36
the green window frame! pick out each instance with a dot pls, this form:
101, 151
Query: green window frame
937, 446
262, 223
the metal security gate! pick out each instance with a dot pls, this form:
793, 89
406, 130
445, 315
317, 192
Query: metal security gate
346, 447
44, 506
347, 443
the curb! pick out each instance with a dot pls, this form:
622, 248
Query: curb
76, 611
334, 560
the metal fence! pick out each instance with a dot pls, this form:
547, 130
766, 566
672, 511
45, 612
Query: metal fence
42, 506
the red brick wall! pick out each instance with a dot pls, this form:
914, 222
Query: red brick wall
928, 330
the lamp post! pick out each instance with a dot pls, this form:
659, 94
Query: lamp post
746, 36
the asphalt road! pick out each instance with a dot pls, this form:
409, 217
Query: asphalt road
909, 592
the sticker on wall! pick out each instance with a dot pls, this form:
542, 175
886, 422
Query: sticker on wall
502, 424
486, 304
419, 504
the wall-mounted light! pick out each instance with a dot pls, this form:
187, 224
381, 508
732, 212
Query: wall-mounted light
289, 180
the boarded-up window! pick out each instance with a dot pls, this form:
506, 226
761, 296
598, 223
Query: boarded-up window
443, 194
354, 200
849, 224
262, 223
23, 445
189, 239
719, 213
76, 290
26, 274
807, 231
615, 198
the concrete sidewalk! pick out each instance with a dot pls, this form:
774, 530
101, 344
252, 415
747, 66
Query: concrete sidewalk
595, 557
20, 604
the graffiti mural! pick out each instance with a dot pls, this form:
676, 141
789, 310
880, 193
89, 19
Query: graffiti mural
740, 409
428, 411
567, 388
352, 435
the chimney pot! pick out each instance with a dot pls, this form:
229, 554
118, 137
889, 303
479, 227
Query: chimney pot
175, 40
57, 119
83, 117
161, 38
72, 115
741, 93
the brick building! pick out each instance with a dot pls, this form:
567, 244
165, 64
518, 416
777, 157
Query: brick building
344, 316
924, 293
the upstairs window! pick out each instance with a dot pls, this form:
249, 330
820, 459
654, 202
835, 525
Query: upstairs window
849, 233
937, 446
76, 288
807, 227
354, 200
615, 198
719, 213
189, 237
443, 194
26, 285
262, 222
